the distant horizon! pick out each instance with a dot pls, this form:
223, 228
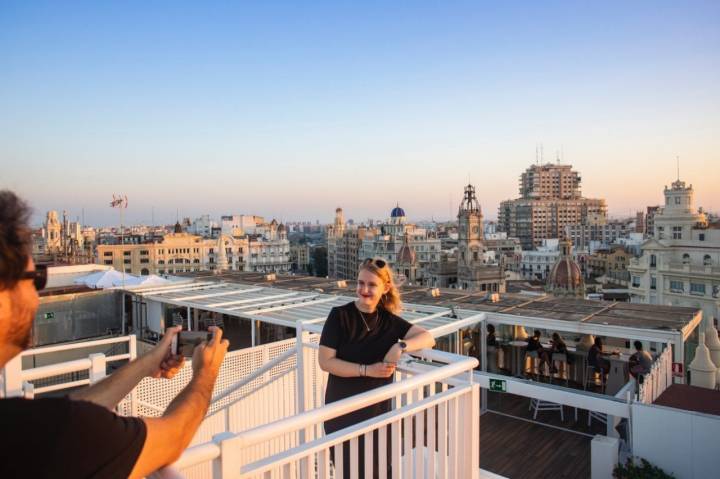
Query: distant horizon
131, 218
288, 110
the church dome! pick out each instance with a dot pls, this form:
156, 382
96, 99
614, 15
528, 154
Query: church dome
397, 212
565, 274
566, 277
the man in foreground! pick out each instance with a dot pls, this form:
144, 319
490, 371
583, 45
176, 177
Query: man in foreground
79, 436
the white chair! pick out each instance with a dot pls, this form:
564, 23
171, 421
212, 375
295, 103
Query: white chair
540, 405
598, 416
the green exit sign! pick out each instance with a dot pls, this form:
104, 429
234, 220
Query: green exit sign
499, 385
49, 315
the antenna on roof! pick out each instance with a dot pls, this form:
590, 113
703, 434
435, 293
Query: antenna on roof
542, 154
562, 153
557, 156
678, 166
537, 157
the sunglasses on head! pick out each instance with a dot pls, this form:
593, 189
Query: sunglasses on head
38, 275
380, 263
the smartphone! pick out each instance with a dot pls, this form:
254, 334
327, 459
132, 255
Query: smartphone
185, 341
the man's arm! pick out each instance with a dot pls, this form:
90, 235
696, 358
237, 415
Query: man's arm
168, 436
112, 389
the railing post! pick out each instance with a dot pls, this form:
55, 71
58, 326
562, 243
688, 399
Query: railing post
97, 367
28, 390
473, 441
12, 375
132, 347
228, 464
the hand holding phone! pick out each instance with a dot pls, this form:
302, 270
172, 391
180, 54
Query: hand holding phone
184, 342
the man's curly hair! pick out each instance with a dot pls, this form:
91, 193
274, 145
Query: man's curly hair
15, 238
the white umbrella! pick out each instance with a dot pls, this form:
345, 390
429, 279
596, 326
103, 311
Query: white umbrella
107, 279
152, 280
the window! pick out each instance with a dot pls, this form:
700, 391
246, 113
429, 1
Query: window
126, 253
144, 260
128, 270
677, 287
107, 253
697, 288
677, 232
653, 261
162, 261
653, 282
677, 200
126, 261
701, 237
108, 261
686, 258
636, 281
144, 252
707, 261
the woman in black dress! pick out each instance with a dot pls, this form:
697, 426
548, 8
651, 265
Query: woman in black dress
361, 344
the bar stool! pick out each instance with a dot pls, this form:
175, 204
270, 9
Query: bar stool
590, 372
561, 360
492, 359
534, 359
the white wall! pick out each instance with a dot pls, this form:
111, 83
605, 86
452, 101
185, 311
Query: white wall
680, 442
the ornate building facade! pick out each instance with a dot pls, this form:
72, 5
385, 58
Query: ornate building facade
680, 264
179, 252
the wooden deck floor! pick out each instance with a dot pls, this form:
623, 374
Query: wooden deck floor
514, 447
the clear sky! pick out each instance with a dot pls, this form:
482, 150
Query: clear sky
290, 109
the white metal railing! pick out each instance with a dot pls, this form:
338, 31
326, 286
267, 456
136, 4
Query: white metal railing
658, 379
19, 382
427, 432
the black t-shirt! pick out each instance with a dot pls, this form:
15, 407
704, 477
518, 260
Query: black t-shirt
534, 344
58, 437
345, 332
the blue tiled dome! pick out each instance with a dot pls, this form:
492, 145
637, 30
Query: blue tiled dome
397, 212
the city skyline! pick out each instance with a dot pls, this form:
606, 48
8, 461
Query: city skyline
289, 111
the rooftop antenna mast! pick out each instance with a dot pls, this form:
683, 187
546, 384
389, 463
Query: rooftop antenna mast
677, 158
537, 155
542, 153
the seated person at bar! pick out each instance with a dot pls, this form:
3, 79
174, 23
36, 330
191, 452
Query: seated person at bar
559, 347
491, 339
596, 359
534, 345
641, 361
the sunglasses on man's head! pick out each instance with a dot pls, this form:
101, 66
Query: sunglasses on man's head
38, 275
380, 263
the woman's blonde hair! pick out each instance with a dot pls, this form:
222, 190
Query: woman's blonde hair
391, 300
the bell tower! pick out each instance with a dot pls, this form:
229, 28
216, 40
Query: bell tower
470, 230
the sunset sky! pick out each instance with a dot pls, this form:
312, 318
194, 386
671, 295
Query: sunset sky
289, 110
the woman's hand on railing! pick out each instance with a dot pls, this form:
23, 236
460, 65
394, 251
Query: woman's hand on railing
380, 370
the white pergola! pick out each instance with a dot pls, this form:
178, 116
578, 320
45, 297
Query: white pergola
295, 309
308, 310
